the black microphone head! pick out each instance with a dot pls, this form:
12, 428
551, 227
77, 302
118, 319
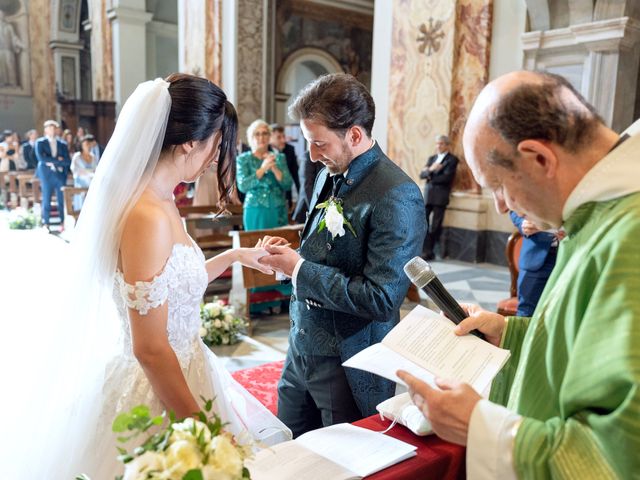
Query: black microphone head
419, 272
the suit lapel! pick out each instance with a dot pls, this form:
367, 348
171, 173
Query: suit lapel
323, 178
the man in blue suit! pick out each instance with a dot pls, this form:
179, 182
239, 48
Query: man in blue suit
348, 278
53, 166
537, 259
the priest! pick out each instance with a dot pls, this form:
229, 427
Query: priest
567, 403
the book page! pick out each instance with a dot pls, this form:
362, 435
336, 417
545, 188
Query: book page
293, 460
427, 339
357, 449
383, 361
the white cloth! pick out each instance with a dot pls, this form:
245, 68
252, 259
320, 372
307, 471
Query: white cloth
53, 143
493, 428
440, 158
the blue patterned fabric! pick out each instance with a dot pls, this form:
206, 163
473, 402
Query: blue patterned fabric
349, 290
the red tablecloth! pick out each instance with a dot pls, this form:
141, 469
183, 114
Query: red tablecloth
435, 458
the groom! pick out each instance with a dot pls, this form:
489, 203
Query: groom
347, 289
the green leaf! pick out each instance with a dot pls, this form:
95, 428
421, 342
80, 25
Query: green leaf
322, 225
346, 222
140, 411
83, 476
122, 422
195, 474
323, 205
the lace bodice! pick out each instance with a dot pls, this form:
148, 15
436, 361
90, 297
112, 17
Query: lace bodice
181, 283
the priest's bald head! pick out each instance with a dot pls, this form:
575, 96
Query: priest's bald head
530, 138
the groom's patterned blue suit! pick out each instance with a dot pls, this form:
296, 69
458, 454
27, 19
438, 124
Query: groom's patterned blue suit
349, 289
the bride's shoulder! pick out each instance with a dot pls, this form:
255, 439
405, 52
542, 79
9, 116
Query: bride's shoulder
146, 240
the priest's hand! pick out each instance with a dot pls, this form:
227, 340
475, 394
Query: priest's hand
281, 258
490, 323
448, 410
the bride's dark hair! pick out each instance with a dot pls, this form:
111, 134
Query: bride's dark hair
199, 108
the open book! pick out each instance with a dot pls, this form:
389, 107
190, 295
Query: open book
423, 344
338, 452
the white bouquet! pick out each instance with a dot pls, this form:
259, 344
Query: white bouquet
22, 219
220, 324
193, 449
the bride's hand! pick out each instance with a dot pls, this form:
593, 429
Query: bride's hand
249, 257
268, 240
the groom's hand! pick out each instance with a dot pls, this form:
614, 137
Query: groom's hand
281, 259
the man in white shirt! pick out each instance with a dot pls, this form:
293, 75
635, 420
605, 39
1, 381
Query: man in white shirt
438, 173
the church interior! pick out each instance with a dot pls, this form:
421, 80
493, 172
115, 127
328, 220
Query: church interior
71, 65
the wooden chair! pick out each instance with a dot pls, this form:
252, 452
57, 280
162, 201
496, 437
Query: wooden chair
244, 278
4, 188
509, 306
69, 193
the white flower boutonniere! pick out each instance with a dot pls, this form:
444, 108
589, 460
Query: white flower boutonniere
333, 219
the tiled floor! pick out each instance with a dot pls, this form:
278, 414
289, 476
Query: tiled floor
471, 283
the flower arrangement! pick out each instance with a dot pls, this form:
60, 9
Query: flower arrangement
333, 219
193, 449
220, 325
21, 219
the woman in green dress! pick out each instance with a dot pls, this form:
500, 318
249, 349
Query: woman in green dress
264, 178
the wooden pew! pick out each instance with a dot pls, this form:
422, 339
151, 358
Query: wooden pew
26, 189
69, 193
217, 224
245, 278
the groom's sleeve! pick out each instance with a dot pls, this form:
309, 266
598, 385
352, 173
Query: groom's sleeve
396, 232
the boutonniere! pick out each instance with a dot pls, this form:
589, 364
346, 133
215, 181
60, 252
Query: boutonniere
333, 218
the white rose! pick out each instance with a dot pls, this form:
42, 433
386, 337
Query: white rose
211, 473
212, 309
202, 332
217, 323
228, 318
225, 339
225, 457
334, 221
182, 431
137, 468
181, 457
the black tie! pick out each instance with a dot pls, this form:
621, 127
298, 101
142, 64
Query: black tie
337, 182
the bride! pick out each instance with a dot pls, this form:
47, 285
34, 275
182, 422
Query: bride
137, 273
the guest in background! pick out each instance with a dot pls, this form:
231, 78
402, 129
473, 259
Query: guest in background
83, 166
308, 171
6, 164
13, 150
29, 149
53, 165
439, 174
67, 137
264, 178
80, 134
537, 259
279, 145
97, 150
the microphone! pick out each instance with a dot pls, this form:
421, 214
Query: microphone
422, 276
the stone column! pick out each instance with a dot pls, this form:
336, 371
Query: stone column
600, 58
129, 38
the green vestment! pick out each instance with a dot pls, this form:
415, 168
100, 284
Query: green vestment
574, 373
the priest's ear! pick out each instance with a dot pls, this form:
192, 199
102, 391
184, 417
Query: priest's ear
540, 156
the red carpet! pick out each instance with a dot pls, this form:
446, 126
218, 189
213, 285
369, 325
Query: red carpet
262, 382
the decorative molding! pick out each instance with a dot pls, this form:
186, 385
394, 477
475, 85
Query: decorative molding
430, 37
331, 11
359, 6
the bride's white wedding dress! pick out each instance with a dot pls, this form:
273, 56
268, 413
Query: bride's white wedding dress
181, 284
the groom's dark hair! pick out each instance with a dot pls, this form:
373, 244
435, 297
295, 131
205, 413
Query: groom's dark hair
338, 101
199, 108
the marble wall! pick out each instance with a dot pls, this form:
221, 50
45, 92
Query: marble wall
470, 74
420, 83
200, 41
101, 50
42, 65
250, 49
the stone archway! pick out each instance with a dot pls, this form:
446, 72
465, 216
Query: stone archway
299, 68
